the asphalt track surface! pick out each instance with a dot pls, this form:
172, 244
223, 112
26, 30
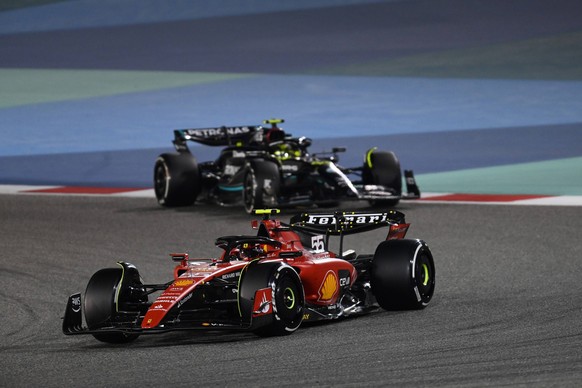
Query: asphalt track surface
506, 311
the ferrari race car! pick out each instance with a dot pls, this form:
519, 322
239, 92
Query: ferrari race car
265, 167
267, 283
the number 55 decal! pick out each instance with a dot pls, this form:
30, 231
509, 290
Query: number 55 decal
317, 243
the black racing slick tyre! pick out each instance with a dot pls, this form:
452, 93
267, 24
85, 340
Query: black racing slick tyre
286, 294
383, 168
177, 180
403, 274
102, 300
261, 185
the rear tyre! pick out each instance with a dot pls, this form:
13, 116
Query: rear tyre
100, 306
261, 185
177, 180
403, 274
383, 168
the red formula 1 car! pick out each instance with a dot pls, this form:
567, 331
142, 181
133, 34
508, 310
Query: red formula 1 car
268, 283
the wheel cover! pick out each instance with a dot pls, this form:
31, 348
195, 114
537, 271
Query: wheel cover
424, 275
249, 191
289, 298
288, 301
161, 181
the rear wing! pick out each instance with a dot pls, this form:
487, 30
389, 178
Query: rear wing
217, 136
343, 223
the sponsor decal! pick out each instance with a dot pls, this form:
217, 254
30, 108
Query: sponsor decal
263, 302
290, 167
231, 275
321, 220
183, 282
76, 304
344, 281
184, 300
352, 218
306, 317
201, 267
329, 286
230, 170
397, 231
213, 132
201, 274
373, 188
180, 147
321, 255
167, 298
344, 278
267, 185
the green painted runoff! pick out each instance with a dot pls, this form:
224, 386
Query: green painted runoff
33, 86
552, 177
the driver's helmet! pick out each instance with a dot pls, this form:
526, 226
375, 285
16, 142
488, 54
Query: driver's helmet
286, 151
273, 135
268, 136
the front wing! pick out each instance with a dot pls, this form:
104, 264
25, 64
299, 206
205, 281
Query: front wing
73, 323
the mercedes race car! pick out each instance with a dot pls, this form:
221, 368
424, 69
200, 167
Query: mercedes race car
268, 283
265, 167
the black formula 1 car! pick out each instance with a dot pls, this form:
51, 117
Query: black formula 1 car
265, 167
268, 283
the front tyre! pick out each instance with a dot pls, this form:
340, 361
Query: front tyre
101, 304
177, 180
403, 274
383, 168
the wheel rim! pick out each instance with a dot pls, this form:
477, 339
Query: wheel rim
424, 275
249, 191
160, 181
289, 298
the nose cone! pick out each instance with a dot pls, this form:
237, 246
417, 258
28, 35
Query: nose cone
179, 290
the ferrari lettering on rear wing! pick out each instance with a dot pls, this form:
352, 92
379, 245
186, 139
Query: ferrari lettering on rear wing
218, 136
341, 223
